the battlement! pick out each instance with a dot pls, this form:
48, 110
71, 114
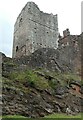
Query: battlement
66, 32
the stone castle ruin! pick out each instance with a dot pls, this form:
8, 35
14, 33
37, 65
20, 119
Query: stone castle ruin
33, 30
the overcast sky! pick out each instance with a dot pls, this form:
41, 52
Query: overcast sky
69, 16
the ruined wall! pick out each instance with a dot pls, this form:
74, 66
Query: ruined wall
70, 51
33, 30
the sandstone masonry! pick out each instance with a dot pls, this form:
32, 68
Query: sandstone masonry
33, 30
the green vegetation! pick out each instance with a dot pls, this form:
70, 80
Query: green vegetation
31, 78
10, 63
13, 116
57, 115
63, 116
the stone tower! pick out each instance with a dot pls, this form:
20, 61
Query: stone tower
33, 30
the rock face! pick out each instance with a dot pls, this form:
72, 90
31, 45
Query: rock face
36, 103
33, 30
42, 58
40, 92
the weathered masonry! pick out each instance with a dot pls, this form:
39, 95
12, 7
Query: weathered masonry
33, 30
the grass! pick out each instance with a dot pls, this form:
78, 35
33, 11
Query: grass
15, 117
63, 116
30, 77
40, 82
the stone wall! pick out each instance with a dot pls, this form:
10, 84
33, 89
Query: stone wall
34, 29
70, 51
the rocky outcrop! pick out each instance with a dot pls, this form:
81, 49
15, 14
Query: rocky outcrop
38, 104
38, 92
42, 58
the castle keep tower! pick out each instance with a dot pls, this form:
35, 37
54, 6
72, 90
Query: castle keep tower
33, 30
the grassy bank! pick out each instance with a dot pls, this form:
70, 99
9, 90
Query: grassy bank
16, 117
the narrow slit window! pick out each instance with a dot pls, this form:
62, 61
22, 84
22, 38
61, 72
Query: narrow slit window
16, 48
20, 22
